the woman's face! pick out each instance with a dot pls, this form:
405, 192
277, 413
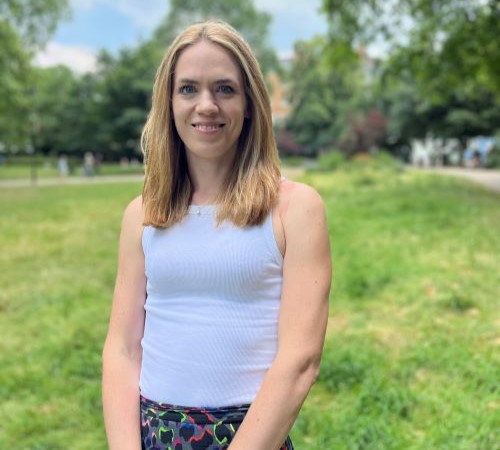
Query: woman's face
208, 102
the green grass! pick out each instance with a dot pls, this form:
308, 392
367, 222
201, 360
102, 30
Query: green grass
411, 359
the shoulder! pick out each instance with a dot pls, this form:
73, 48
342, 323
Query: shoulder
133, 217
134, 210
302, 219
298, 201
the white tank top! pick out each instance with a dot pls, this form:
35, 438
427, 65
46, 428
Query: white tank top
213, 297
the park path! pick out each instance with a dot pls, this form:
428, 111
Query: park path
291, 172
488, 178
26, 182
485, 177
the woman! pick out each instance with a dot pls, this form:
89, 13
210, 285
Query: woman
221, 298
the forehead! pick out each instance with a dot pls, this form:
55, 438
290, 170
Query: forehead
206, 60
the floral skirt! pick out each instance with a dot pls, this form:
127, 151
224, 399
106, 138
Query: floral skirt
171, 427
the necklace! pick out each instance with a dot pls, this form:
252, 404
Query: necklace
201, 210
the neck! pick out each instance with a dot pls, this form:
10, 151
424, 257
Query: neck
207, 179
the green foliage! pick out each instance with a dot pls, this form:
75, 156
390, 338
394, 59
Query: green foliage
122, 98
441, 71
241, 14
319, 96
493, 160
25, 26
414, 113
102, 112
34, 21
293, 161
366, 167
333, 103
14, 76
330, 160
54, 109
455, 37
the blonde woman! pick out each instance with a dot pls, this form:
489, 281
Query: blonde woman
221, 298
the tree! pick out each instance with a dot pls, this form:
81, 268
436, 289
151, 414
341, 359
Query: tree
316, 94
33, 21
66, 112
447, 44
460, 114
14, 77
125, 83
332, 105
25, 26
52, 108
440, 76
241, 14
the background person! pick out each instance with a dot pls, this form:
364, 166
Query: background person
88, 164
62, 166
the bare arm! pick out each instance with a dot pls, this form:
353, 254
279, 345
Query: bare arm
122, 349
302, 323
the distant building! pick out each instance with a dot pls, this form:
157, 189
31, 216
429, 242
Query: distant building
433, 151
280, 106
370, 66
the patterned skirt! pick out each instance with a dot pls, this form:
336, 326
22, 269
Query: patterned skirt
170, 427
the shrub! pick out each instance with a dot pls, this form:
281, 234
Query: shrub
493, 160
331, 160
292, 161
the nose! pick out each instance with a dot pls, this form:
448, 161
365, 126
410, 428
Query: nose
207, 104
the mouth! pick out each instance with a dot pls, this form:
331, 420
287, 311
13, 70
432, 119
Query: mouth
207, 127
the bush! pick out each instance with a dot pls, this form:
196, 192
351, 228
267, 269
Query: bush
331, 160
292, 161
379, 160
493, 160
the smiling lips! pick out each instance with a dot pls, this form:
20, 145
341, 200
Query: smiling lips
207, 127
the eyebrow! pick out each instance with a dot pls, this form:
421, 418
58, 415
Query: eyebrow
186, 81
190, 81
224, 81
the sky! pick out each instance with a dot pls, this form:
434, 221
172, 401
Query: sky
114, 24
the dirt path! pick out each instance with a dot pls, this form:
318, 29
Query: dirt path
487, 178
291, 173
26, 182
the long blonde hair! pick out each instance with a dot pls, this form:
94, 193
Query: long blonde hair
252, 184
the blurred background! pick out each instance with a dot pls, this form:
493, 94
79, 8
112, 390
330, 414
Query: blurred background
416, 78
375, 103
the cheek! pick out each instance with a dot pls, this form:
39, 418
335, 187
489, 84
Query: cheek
178, 110
178, 124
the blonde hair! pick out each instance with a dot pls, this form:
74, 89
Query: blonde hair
251, 188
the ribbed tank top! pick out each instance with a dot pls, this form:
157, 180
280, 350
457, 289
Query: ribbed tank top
213, 297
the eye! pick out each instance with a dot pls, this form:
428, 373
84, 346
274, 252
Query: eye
225, 89
187, 89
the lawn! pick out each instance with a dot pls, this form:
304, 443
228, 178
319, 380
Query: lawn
411, 359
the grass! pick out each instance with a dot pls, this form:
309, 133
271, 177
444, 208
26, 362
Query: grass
411, 358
